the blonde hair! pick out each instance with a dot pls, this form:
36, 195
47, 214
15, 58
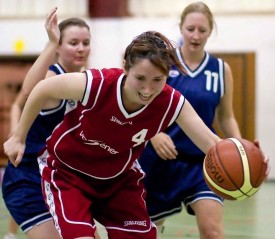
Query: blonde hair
199, 7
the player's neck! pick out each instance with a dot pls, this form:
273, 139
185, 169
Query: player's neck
192, 59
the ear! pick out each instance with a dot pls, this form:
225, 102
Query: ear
123, 63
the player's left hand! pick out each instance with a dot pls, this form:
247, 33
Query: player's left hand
164, 146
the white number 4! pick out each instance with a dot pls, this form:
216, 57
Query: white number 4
139, 137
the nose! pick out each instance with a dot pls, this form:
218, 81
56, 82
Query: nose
147, 88
196, 34
80, 47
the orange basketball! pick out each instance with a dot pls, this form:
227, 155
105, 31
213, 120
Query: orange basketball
234, 169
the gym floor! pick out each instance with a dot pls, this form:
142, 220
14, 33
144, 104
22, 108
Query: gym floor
253, 218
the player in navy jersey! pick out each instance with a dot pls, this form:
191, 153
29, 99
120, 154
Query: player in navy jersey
208, 86
69, 43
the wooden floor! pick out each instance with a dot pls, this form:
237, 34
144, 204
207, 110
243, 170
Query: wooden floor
253, 218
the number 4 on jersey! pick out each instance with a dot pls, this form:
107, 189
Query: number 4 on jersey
139, 137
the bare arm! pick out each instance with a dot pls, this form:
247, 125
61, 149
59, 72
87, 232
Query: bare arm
162, 142
195, 129
16, 110
65, 86
224, 112
39, 69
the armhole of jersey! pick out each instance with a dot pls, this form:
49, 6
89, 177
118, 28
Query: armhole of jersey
178, 109
57, 69
89, 79
221, 73
51, 111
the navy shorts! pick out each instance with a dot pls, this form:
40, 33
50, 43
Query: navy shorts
171, 183
22, 194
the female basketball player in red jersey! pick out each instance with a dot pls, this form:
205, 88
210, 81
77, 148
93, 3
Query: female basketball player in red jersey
89, 168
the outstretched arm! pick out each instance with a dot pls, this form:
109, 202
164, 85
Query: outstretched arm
224, 112
65, 86
39, 69
195, 129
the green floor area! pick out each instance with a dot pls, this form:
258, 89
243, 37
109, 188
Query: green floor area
253, 218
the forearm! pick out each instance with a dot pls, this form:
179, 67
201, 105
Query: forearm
16, 110
15, 114
195, 129
32, 108
230, 128
202, 136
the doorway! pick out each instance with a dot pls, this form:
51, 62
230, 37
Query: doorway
243, 70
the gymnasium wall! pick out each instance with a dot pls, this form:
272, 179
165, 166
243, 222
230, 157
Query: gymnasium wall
110, 36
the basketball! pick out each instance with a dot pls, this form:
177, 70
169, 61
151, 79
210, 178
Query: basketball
234, 169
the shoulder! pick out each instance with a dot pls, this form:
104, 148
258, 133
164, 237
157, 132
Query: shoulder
213, 58
169, 91
221, 62
218, 63
104, 73
227, 67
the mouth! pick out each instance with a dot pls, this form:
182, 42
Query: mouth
145, 97
195, 44
80, 58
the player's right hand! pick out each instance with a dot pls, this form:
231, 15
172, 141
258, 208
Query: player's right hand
14, 149
51, 26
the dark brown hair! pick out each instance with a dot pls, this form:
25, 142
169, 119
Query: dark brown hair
155, 47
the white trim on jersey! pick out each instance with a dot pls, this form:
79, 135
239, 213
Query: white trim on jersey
221, 74
88, 87
202, 66
120, 104
178, 109
198, 70
59, 68
167, 110
51, 111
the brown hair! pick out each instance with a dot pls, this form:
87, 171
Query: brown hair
71, 22
155, 47
201, 8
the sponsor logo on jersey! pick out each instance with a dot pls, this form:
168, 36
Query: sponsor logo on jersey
99, 143
116, 120
173, 73
139, 223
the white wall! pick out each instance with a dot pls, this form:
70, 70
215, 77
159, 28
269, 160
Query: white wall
110, 37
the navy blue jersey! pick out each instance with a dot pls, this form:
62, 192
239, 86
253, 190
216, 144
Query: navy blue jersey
24, 189
184, 182
44, 124
204, 95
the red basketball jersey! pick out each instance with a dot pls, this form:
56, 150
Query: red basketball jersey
98, 137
